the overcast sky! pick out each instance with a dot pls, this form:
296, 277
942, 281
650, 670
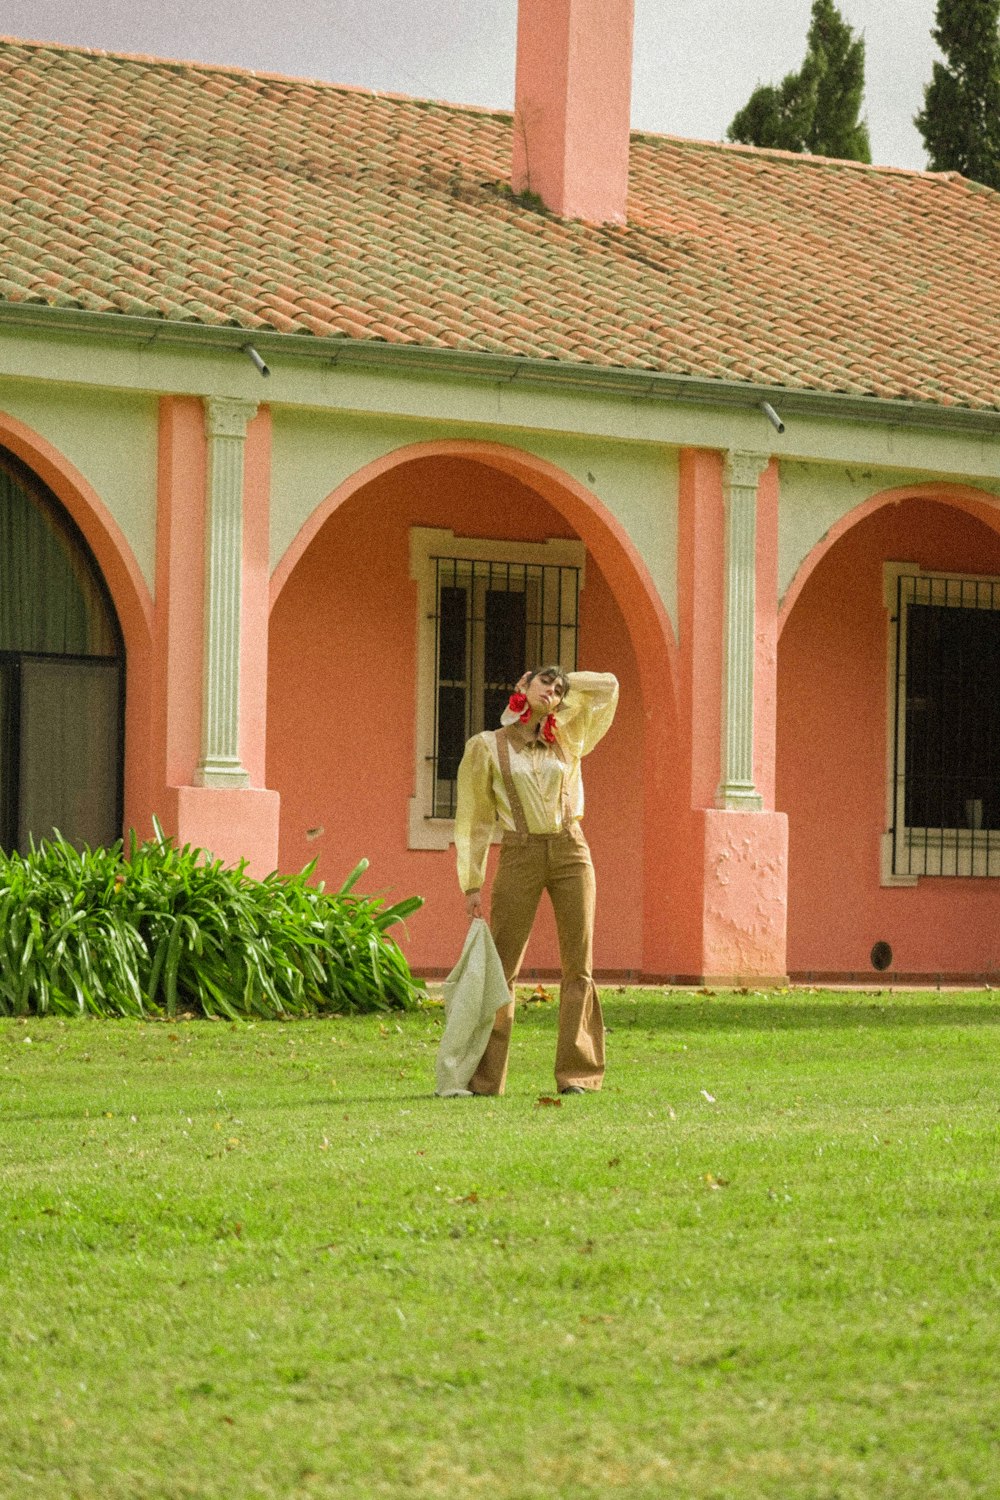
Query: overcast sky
696, 61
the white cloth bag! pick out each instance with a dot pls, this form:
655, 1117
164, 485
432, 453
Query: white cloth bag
473, 993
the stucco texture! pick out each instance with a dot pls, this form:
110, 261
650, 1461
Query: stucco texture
341, 707
833, 723
110, 438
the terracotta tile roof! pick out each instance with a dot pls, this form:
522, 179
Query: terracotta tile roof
212, 196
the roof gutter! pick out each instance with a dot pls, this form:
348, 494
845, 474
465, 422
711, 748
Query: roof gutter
418, 359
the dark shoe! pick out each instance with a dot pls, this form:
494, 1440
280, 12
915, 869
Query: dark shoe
572, 1088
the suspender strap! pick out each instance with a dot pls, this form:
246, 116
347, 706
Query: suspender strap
564, 803
516, 806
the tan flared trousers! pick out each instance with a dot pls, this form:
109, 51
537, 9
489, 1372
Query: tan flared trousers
559, 863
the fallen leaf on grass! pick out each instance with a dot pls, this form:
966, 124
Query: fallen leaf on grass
468, 1198
706, 1095
545, 1100
587, 1248
615, 1161
710, 993
715, 1183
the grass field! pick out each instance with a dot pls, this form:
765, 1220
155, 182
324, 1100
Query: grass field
262, 1261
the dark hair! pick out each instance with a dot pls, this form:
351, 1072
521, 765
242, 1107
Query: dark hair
557, 673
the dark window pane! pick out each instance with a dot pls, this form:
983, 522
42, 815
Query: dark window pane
494, 703
451, 659
70, 751
505, 636
952, 717
451, 731
8, 755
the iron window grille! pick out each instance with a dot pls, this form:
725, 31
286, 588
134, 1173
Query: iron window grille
946, 729
491, 621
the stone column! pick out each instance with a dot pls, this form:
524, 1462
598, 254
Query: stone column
226, 421
736, 790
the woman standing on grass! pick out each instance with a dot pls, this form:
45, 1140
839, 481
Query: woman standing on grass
526, 775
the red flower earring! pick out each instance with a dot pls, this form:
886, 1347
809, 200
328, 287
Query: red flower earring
518, 704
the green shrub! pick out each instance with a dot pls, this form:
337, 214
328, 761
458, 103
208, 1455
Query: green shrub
170, 930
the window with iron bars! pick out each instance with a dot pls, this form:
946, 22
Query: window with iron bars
492, 620
945, 741
487, 608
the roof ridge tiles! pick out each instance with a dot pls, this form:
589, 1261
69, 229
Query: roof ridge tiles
262, 75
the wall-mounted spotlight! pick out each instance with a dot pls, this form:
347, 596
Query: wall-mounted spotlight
772, 416
256, 361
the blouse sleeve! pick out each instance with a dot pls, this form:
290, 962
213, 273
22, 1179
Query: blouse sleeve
588, 712
475, 813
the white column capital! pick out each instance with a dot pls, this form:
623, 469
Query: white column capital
228, 416
743, 468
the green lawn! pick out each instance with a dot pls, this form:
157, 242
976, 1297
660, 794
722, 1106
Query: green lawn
262, 1261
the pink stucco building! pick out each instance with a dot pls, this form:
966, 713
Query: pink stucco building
322, 412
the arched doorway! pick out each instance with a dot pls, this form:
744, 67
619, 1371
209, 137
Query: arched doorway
346, 738
62, 674
841, 767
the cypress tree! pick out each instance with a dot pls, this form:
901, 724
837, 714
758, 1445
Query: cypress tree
960, 120
816, 109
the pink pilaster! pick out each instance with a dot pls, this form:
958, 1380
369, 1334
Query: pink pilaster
230, 823
730, 889
573, 93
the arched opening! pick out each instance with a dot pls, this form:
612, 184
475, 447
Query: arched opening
344, 679
62, 674
839, 708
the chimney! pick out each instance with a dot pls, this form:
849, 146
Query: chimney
572, 100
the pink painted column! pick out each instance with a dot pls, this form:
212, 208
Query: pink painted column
731, 892
573, 94
233, 816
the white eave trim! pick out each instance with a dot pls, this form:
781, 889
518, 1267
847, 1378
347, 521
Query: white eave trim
419, 359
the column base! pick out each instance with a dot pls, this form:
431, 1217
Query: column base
222, 774
230, 823
745, 897
737, 797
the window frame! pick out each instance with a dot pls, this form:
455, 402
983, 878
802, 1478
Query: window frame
427, 544
928, 853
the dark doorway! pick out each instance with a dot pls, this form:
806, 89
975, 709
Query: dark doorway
62, 675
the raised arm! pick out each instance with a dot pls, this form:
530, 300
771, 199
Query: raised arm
475, 814
588, 711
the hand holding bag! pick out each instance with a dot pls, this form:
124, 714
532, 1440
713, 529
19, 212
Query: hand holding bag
473, 993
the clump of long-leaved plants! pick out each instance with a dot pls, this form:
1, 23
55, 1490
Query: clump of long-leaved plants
167, 930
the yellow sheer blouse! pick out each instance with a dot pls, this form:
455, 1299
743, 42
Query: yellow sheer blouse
537, 773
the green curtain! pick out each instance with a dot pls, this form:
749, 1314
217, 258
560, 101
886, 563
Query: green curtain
50, 597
